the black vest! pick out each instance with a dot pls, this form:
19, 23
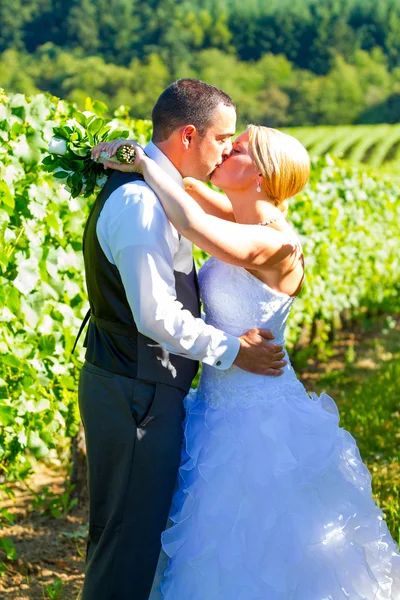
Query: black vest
112, 340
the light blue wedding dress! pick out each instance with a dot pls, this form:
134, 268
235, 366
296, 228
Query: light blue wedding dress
273, 500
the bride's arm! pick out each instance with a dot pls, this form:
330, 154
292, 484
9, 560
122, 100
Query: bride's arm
248, 246
212, 202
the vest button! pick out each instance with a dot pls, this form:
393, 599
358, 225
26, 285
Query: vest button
218, 363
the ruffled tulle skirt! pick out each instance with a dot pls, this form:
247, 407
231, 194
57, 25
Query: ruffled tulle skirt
275, 503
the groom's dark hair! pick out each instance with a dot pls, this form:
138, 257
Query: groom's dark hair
184, 102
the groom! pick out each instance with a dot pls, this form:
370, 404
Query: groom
144, 341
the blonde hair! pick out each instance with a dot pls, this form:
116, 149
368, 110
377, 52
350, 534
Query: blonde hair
283, 162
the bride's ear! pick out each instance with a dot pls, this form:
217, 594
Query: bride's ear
188, 133
259, 180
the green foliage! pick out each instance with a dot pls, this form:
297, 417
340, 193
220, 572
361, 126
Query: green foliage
309, 32
42, 292
374, 145
6, 545
371, 417
369, 410
81, 533
40, 285
54, 505
55, 589
8, 548
348, 219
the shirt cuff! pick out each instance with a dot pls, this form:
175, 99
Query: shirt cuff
224, 354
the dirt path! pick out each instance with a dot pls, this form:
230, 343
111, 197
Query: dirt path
50, 551
47, 548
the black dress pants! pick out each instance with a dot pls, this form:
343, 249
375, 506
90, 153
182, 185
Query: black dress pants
133, 432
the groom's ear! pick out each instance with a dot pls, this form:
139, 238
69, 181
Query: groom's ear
188, 133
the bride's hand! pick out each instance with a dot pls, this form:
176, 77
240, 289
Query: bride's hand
111, 149
191, 185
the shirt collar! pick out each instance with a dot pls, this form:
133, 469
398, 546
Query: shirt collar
163, 161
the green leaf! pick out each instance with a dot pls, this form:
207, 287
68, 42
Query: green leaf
95, 126
81, 152
17, 130
75, 178
118, 133
51, 167
80, 118
47, 345
9, 548
14, 300
9, 517
61, 175
6, 415
100, 108
5, 195
3, 390
91, 139
19, 111
61, 132
103, 133
77, 165
11, 360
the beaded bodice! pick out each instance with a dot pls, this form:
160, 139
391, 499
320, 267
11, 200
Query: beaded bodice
235, 301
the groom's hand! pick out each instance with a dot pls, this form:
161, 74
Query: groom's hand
257, 354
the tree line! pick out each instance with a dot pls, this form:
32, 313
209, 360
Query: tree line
286, 62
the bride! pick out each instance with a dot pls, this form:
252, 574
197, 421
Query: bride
273, 500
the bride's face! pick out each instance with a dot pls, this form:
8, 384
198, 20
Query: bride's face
238, 171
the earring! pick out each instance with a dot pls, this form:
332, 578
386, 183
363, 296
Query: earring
258, 187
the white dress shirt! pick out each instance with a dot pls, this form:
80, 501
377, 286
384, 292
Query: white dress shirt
136, 236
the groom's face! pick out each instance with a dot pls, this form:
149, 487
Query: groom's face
207, 152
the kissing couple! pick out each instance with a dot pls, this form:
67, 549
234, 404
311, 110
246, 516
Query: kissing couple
267, 498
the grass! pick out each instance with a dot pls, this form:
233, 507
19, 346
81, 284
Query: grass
371, 412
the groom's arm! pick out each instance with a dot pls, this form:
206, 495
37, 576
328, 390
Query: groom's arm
137, 237
212, 202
